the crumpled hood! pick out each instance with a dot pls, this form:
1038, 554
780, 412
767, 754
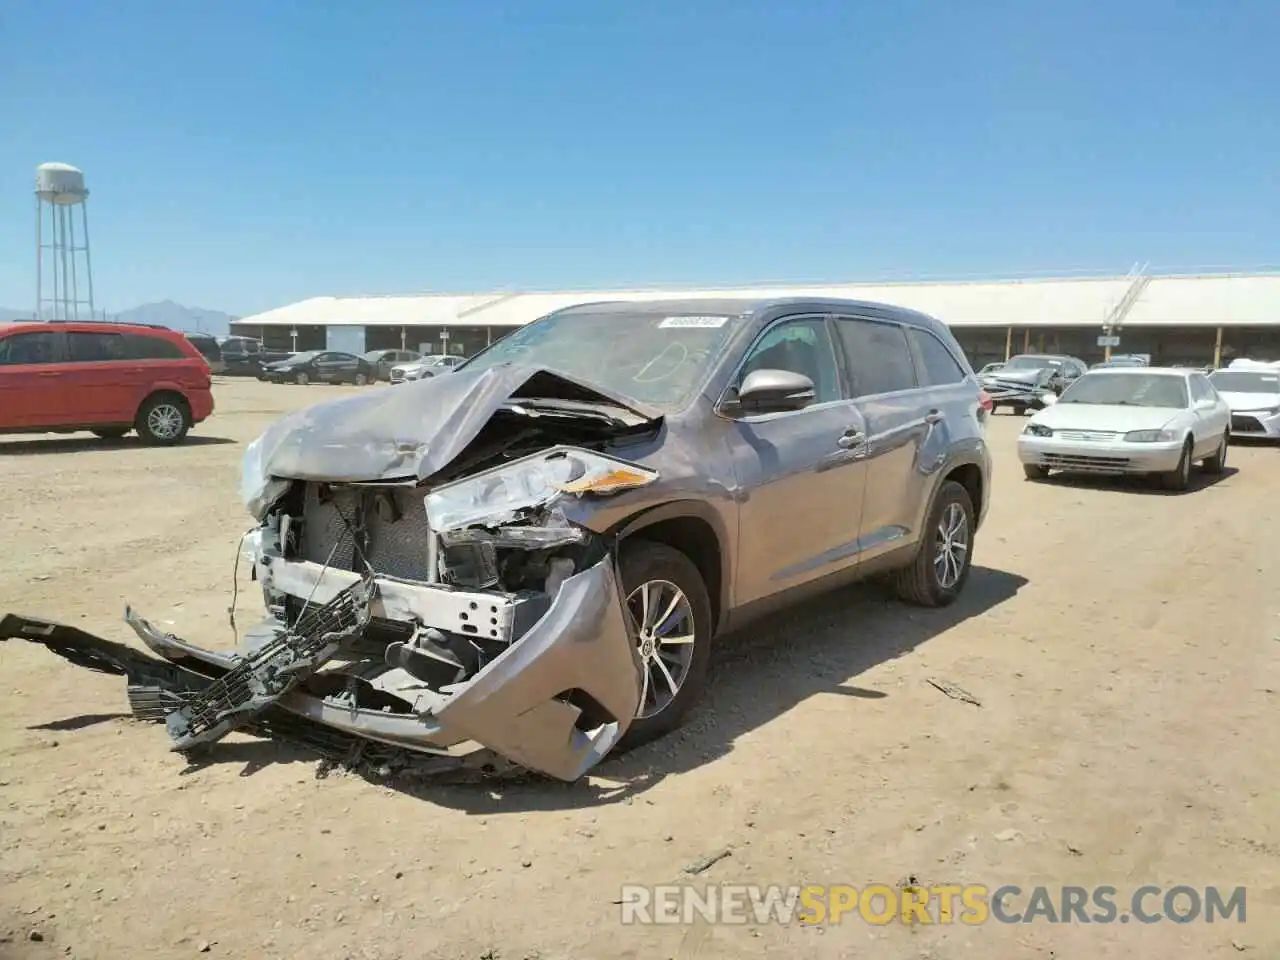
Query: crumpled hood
1090, 416
1019, 376
413, 430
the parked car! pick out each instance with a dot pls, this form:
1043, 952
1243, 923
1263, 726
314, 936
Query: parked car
321, 366
246, 356
208, 346
1253, 396
1137, 420
428, 366
989, 369
104, 378
384, 360
555, 532
1025, 380
1123, 360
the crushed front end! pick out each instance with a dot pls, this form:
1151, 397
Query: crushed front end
444, 621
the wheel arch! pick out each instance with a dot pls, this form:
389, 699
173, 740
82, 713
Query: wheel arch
696, 530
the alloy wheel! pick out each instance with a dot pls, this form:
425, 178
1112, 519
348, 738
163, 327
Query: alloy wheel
164, 421
662, 617
952, 546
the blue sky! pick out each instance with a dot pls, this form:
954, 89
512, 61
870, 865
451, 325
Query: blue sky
243, 154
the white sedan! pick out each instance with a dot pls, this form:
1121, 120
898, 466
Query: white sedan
1140, 420
1254, 398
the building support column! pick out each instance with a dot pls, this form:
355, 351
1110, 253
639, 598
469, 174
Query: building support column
488, 336
1217, 349
1026, 340
1008, 343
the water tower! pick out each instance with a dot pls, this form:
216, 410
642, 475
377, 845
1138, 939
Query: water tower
64, 275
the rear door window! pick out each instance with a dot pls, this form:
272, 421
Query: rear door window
141, 347
35, 347
878, 358
937, 366
96, 347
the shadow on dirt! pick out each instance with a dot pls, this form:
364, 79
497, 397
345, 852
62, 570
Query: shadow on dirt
1149, 486
21, 448
80, 722
758, 674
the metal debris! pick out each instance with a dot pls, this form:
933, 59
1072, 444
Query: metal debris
954, 692
707, 862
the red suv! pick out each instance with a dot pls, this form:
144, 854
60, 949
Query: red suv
107, 378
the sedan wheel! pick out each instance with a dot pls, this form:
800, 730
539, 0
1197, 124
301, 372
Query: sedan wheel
361, 379
1218, 462
1179, 478
301, 379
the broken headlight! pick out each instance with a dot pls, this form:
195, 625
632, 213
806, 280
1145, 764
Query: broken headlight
498, 494
258, 491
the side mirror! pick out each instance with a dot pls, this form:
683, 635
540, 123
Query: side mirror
772, 391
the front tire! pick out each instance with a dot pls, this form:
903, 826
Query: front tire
1218, 462
937, 575
301, 379
163, 421
1035, 472
670, 615
361, 380
1179, 478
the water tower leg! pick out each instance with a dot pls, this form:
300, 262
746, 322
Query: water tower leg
39, 260
88, 264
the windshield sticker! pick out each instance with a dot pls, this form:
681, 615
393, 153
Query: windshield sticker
702, 322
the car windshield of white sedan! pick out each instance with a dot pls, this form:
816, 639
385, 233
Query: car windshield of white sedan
1031, 363
1241, 382
1128, 390
651, 357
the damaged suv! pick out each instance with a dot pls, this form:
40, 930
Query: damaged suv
529, 559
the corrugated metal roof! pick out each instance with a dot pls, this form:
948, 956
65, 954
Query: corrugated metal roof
1207, 301
1056, 302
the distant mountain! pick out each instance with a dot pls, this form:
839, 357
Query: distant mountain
166, 312
177, 317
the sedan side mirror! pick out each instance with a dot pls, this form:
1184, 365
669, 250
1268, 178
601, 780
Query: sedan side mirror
771, 391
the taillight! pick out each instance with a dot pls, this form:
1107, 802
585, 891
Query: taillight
984, 400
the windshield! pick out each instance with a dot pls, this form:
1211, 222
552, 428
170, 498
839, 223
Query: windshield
1241, 382
650, 357
1128, 390
1031, 363
303, 357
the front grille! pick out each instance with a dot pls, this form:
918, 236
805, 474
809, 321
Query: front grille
1088, 436
393, 521
1079, 463
1246, 424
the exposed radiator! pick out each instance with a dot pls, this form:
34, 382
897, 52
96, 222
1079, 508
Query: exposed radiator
393, 521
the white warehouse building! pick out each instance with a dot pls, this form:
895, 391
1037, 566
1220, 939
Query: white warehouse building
1197, 319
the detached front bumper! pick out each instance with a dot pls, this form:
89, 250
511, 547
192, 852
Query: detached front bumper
517, 705
1104, 457
1263, 424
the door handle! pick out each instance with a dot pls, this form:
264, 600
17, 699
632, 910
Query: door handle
934, 417
853, 437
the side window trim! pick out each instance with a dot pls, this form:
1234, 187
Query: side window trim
837, 357
911, 354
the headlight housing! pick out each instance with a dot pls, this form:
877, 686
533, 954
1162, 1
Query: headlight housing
258, 491
497, 495
1037, 430
1150, 436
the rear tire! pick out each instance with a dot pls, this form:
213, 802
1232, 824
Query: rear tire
163, 420
111, 433
932, 579
644, 562
1034, 472
1218, 462
1179, 478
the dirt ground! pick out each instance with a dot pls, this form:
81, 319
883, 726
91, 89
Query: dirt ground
1122, 643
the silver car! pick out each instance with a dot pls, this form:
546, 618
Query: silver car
534, 554
1254, 399
1136, 420
423, 367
